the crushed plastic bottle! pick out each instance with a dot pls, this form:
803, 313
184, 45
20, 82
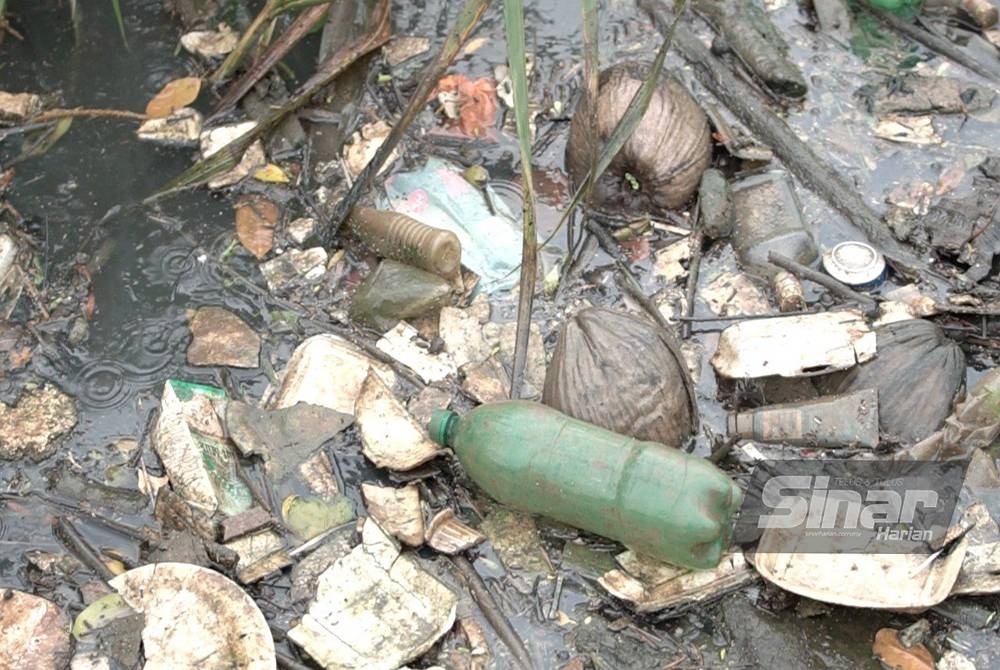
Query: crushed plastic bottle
849, 420
655, 500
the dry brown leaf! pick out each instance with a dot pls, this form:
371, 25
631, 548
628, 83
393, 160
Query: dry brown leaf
893, 654
176, 94
256, 218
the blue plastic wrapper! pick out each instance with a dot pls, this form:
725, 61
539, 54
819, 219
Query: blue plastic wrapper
438, 195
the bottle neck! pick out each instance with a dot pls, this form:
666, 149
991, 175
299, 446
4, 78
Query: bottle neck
441, 427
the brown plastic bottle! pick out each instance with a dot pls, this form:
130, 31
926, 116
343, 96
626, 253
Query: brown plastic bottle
402, 238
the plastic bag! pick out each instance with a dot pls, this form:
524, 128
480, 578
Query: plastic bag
918, 373
622, 373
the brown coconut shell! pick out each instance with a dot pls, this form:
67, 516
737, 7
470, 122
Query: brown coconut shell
622, 373
667, 153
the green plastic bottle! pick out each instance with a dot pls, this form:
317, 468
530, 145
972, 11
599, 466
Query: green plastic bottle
653, 499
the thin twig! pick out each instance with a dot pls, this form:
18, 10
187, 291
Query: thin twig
697, 241
77, 545
491, 610
826, 281
89, 113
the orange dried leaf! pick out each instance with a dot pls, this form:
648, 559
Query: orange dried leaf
173, 96
256, 218
477, 102
893, 654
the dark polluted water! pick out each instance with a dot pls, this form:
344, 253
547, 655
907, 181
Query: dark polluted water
163, 264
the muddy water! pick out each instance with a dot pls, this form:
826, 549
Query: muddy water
161, 266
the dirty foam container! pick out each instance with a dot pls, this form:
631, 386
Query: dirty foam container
856, 264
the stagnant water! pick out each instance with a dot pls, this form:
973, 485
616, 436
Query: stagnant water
159, 268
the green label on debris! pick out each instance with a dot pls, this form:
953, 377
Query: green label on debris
185, 390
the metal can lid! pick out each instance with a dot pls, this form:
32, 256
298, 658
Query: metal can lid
854, 263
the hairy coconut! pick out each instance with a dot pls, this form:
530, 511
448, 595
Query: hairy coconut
665, 156
623, 373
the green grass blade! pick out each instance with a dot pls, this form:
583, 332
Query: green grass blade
513, 18
591, 56
627, 124
117, 6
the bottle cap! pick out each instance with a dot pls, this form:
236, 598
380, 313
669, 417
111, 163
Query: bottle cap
857, 264
440, 425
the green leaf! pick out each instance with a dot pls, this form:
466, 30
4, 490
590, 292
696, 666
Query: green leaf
513, 18
116, 5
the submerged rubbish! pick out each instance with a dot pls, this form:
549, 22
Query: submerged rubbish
715, 204
666, 155
850, 420
660, 501
394, 292
769, 219
623, 373
794, 346
749, 33
219, 337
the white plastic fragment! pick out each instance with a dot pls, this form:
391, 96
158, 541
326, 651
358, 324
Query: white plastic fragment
399, 343
196, 618
253, 158
390, 437
794, 346
17, 107
212, 141
876, 581
397, 510
309, 264
180, 129
189, 438
211, 43
327, 370
447, 534
374, 608
651, 586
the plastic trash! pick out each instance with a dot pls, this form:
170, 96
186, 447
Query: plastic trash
196, 618
403, 238
622, 373
849, 420
394, 292
655, 500
912, 354
438, 195
769, 218
374, 608
651, 586
795, 346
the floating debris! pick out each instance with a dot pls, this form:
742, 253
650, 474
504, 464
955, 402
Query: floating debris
374, 608
31, 428
219, 337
